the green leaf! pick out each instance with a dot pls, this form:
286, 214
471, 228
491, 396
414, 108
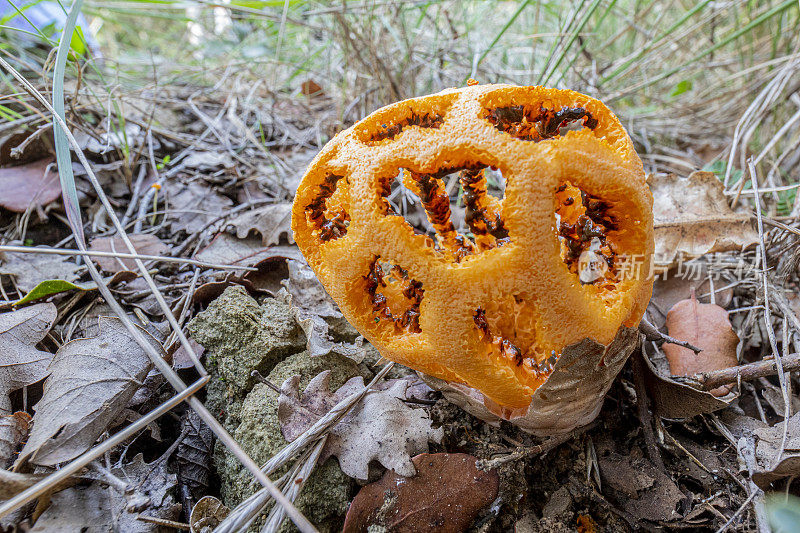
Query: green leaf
682, 87
47, 288
77, 43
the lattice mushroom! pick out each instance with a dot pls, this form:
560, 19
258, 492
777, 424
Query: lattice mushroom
494, 305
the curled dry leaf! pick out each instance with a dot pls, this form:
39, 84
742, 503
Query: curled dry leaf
21, 363
91, 381
445, 495
207, 514
692, 217
707, 327
771, 464
380, 427
30, 185
30, 269
672, 399
270, 221
145, 244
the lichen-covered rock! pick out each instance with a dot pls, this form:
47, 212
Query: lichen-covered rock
325, 496
240, 336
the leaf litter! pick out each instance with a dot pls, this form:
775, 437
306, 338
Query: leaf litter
554, 485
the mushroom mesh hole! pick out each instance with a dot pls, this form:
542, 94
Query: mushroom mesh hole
326, 212
459, 208
537, 123
518, 348
584, 225
392, 128
395, 296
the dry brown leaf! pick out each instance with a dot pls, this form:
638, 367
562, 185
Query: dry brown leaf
672, 399
445, 496
145, 244
29, 185
692, 217
226, 249
270, 221
21, 363
30, 269
100, 507
13, 432
207, 514
707, 327
307, 292
194, 205
380, 427
771, 467
91, 381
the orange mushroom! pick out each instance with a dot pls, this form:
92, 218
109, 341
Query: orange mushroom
494, 305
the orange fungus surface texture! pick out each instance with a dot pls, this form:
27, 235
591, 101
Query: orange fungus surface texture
491, 300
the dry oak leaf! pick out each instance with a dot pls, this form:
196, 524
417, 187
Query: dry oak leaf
707, 327
21, 363
445, 496
30, 269
380, 427
145, 244
91, 381
24, 186
269, 221
692, 217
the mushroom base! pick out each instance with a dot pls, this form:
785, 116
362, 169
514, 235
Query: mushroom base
570, 398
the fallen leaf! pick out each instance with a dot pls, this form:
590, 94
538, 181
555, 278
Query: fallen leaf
193, 457
226, 249
677, 286
446, 495
319, 343
145, 244
270, 221
207, 514
100, 507
307, 292
13, 432
47, 288
21, 363
12, 483
91, 381
672, 399
769, 466
380, 427
707, 327
310, 87
30, 269
194, 205
29, 185
692, 217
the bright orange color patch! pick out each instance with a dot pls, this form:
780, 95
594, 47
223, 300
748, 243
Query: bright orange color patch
492, 305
